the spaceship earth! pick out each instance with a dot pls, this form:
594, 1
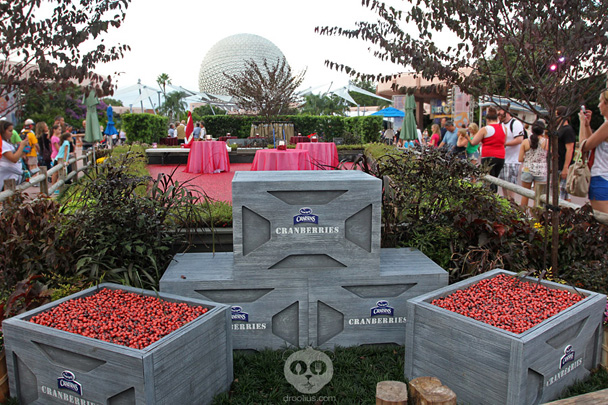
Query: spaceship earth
229, 56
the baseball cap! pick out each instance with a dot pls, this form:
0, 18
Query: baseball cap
28, 122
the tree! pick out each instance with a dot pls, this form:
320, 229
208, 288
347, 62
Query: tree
44, 47
365, 100
174, 104
559, 45
268, 89
163, 80
323, 105
112, 102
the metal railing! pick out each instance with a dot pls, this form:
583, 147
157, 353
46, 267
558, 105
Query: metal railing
41, 178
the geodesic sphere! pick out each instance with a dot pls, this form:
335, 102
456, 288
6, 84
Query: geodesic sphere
229, 56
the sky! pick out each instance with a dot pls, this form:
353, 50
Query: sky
174, 36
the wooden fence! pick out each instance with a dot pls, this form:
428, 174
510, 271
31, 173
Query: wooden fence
41, 178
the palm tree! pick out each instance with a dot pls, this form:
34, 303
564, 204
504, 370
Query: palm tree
323, 105
162, 80
174, 104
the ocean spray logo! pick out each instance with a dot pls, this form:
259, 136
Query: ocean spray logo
237, 314
306, 217
382, 308
567, 357
68, 381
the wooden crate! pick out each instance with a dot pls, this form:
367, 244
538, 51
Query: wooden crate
188, 366
293, 220
370, 309
483, 364
266, 312
605, 348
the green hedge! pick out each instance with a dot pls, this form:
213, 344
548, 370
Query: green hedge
362, 129
146, 128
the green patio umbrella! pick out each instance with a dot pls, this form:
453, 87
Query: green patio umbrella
92, 132
408, 131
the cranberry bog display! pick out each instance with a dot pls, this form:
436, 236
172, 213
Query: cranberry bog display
485, 364
51, 366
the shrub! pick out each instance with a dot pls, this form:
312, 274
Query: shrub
33, 240
124, 236
147, 128
329, 127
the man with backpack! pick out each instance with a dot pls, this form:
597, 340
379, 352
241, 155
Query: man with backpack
514, 130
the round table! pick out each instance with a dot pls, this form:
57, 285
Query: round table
208, 157
323, 155
273, 159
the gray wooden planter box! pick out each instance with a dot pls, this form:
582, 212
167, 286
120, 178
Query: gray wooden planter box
483, 364
292, 220
189, 366
266, 312
369, 309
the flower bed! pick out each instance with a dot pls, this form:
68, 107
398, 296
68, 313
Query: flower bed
485, 364
508, 303
115, 344
120, 317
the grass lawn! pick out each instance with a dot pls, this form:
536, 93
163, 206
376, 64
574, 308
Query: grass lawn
259, 377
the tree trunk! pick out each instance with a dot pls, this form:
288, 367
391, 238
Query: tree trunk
555, 178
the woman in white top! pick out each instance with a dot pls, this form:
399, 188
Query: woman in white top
10, 162
533, 155
598, 188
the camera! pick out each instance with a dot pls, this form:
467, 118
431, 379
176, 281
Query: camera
583, 109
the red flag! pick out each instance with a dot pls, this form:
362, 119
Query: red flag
189, 131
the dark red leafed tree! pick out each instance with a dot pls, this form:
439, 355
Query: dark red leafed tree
56, 43
550, 52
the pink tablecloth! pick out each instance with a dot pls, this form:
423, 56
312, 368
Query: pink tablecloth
208, 157
272, 159
323, 155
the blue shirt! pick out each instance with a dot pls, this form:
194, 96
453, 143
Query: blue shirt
196, 132
451, 138
62, 150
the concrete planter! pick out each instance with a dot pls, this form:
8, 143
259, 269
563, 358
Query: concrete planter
188, 366
483, 364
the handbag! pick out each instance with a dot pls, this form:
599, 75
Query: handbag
579, 174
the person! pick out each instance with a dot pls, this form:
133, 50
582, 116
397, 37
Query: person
436, 135
31, 157
492, 138
55, 135
566, 138
64, 150
123, 136
598, 140
515, 136
171, 133
204, 130
450, 137
10, 162
443, 129
42, 133
181, 132
533, 156
472, 150
196, 132
460, 150
390, 134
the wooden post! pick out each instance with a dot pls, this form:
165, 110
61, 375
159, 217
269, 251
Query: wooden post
539, 190
44, 184
430, 391
10, 184
63, 172
391, 393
